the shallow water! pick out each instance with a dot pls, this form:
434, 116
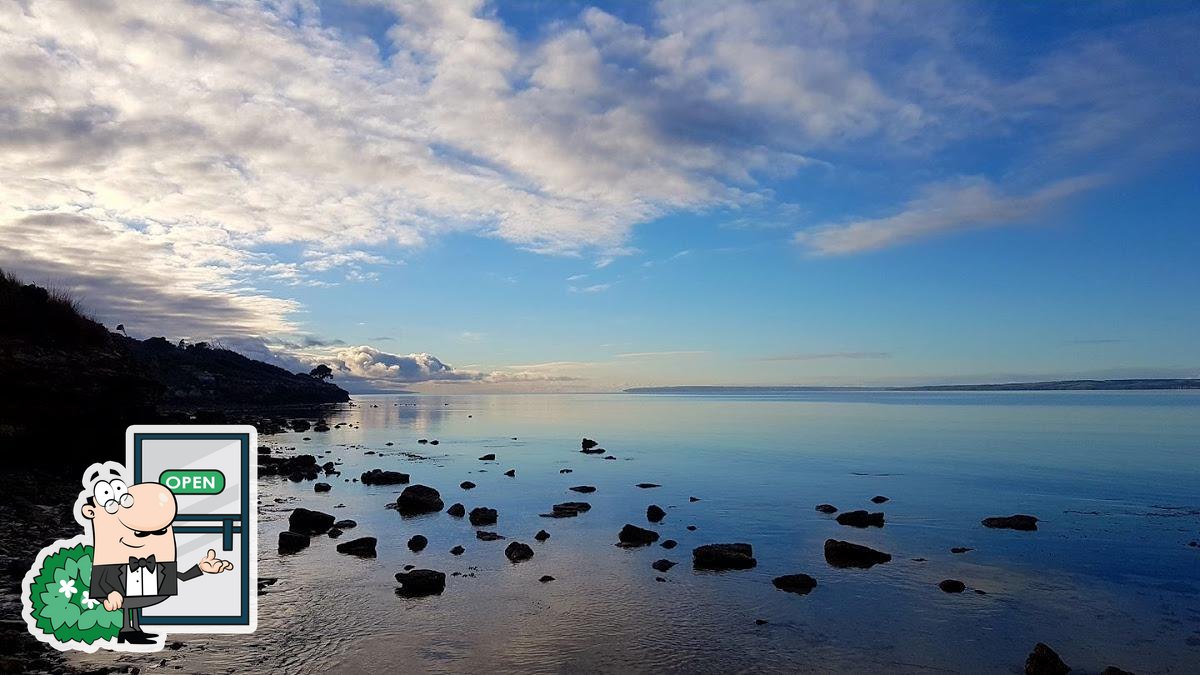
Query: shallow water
1108, 579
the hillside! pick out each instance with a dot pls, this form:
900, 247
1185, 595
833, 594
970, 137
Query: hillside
64, 372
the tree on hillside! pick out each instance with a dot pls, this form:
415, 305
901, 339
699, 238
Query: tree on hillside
321, 372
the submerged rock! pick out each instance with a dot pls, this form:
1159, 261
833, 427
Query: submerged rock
322, 487
511, 473
292, 542
693, 499
565, 470
567, 510
417, 543
490, 457
334, 533
663, 565
484, 535
517, 552
305, 521
584, 489
418, 583
647, 486
381, 477
1044, 661
952, 586
632, 535
457, 550
655, 514
860, 519
593, 451
542, 535
961, 549
467, 485
418, 499
482, 515
723, 557
827, 508
691, 528
363, 547
669, 544
801, 584
845, 554
1113, 670
457, 510
879, 499
546, 578
1015, 522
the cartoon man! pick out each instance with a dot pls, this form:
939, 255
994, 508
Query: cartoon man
134, 564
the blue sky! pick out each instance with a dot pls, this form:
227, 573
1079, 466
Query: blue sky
577, 196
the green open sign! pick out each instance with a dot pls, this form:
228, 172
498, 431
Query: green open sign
193, 481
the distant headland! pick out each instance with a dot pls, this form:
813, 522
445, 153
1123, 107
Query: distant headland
1055, 385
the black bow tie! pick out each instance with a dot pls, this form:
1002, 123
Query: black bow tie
135, 563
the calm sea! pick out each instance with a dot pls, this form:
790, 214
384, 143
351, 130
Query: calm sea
1109, 579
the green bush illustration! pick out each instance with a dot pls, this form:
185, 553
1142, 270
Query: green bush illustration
61, 603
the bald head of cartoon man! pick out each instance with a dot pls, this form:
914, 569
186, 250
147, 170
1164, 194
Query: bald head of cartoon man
133, 563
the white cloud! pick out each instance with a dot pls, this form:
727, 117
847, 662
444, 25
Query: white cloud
594, 288
960, 205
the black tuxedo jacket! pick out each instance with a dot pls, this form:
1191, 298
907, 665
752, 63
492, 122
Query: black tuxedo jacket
109, 578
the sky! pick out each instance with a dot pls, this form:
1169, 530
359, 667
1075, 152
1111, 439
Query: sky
567, 196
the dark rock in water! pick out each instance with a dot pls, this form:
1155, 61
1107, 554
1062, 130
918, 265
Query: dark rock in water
723, 557
517, 552
655, 514
661, 580
457, 550
484, 535
632, 535
418, 583
961, 549
546, 578
434, 442
593, 451
646, 486
952, 586
291, 542
693, 499
761, 622
299, 425
409, 567
306, 438
345, 524
334, 533
467, 485
919, 560
567, 510
298, 468
322, 487
481, 515
845, 554
588, 444
609, 457
490, 457
423, 441
542, 535
417, 543
827, 508
584, 489
389, 444
669, 544
663, 565
511, 473
1194, 544
1043, 661
363, 547
565, 470
381, 477
264, 450
321, 427
305, 521
691, 528
801, 584
418, 499
860, 519
1113, 670
1015, 522
457, 510
879, 499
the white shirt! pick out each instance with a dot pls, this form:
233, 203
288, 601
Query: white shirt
141, 582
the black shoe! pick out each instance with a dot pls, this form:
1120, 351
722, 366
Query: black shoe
135, 637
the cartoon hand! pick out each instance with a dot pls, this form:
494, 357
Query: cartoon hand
210, 564
113, 601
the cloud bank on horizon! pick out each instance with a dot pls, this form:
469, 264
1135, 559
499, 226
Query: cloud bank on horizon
179, 163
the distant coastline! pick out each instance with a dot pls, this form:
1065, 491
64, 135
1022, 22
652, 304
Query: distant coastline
1056, 385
